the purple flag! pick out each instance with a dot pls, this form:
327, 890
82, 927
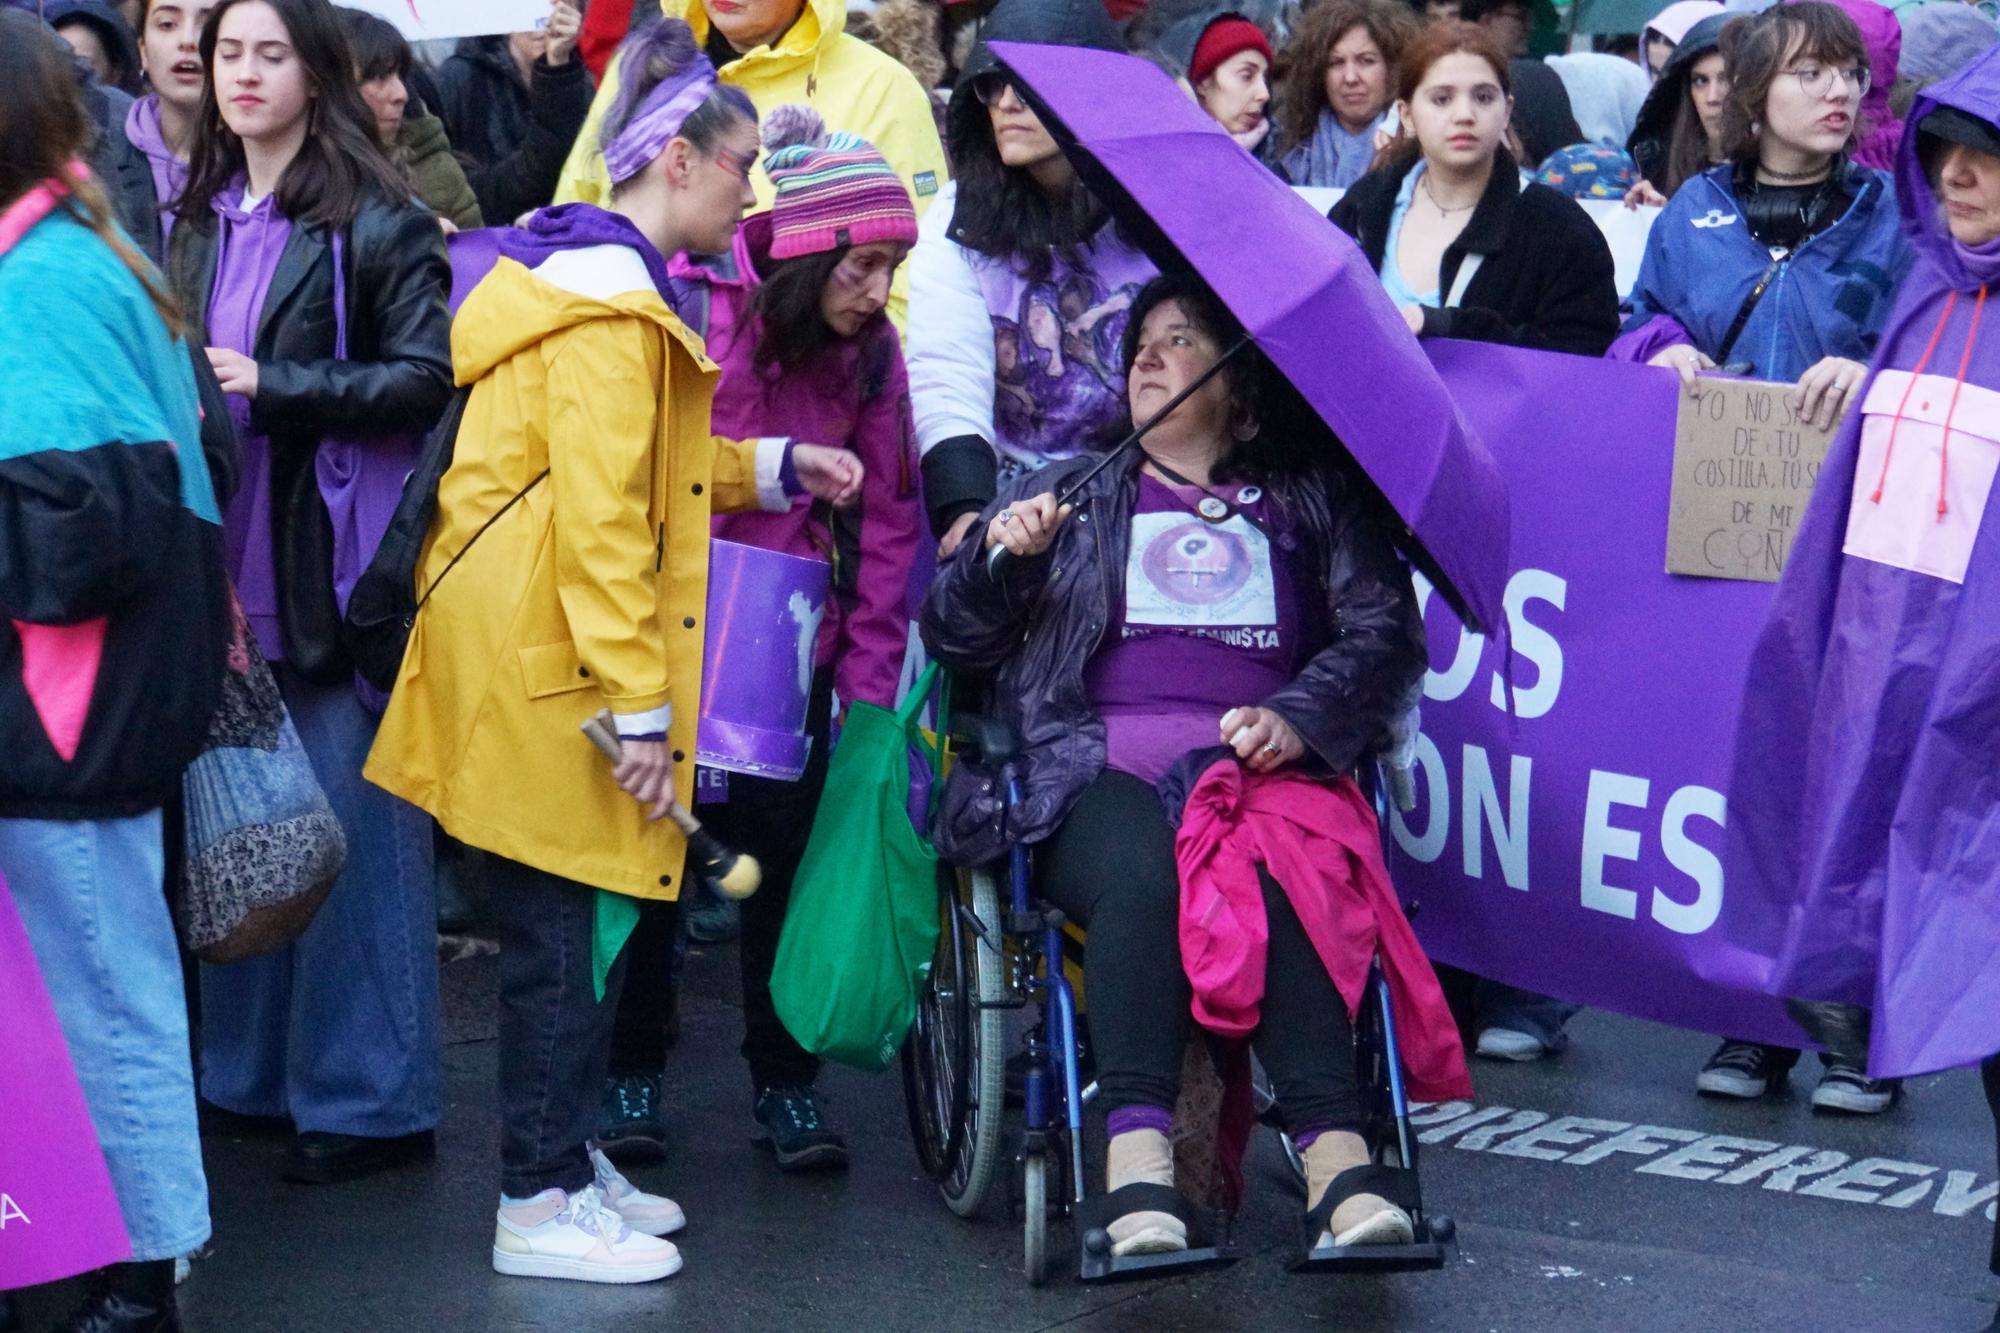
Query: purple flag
58, 1214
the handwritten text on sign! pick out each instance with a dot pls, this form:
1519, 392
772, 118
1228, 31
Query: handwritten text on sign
1744, 466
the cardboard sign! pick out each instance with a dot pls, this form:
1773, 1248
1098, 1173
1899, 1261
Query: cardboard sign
1744, 467
423, 19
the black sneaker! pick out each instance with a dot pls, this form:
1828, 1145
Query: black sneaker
1741, 1069
629, 1125
1846, 1087
789, 1127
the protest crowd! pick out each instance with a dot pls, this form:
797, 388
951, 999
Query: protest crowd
668, 477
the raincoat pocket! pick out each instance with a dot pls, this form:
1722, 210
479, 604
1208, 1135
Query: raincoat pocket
552, 668
1930, 446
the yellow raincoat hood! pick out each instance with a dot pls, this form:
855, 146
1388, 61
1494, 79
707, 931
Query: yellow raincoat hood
853, 86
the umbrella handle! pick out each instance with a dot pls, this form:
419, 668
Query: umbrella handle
998, 556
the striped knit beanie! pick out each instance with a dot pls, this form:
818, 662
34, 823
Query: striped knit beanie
832, 189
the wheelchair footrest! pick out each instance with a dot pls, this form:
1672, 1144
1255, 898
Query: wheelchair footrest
1422, 1254
1100, 1265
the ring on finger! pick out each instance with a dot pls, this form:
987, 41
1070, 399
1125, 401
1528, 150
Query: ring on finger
1272, 748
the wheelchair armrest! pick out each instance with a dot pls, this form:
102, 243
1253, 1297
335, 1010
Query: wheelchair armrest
986, 739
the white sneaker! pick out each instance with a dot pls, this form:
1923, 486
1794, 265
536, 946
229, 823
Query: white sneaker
649, 1214
1508, 1044
577, 1236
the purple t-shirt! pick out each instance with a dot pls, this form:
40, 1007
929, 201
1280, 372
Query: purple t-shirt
1210, 621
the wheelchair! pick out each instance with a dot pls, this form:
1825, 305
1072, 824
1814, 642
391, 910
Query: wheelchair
1002, 951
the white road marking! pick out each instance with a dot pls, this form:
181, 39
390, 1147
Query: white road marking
1717, 1159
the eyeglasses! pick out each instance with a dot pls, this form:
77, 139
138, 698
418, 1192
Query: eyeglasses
738, 165
1816, 80
991, 86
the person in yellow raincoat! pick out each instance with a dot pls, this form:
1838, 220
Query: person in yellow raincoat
787, 51
577, 511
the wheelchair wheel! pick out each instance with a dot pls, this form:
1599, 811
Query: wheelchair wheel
1036, 1171
954, 1070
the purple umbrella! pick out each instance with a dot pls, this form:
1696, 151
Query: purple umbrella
1193, 199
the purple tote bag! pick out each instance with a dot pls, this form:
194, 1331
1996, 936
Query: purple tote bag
58, 1214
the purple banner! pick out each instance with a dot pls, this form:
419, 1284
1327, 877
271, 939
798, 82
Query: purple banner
1573, 844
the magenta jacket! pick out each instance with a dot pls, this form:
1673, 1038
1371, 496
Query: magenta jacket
856, 397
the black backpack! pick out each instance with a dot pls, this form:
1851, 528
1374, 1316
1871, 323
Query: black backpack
383, 606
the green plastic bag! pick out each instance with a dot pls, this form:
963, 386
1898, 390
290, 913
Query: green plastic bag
863, 921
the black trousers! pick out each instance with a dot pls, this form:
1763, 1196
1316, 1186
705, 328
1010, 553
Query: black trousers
555, 1036
1111, 868
1990, 1072
772, 821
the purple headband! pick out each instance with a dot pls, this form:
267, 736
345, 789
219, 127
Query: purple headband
658, 120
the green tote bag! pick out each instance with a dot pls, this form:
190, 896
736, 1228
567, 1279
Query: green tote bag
863, 921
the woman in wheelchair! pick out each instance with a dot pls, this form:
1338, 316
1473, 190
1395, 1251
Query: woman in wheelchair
1232, 593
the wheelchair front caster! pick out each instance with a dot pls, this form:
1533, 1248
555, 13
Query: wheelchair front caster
1443, 1229
1035, 1216
1097, 1242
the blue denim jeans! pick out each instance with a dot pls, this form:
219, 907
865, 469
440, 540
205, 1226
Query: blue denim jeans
1497, 1005
339, 1030
90, 894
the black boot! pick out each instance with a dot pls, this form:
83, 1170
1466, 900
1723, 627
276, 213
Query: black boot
128, 1298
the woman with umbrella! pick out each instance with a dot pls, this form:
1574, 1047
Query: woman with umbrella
1222, 610
1019, 285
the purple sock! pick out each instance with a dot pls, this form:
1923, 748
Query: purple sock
1128, 1118
1304, 1139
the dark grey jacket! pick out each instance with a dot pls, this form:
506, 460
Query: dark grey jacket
1031, 632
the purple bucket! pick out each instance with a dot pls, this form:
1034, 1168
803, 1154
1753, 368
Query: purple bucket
764, 610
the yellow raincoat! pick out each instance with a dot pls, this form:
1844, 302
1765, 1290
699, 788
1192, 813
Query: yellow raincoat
589, 593
853, 86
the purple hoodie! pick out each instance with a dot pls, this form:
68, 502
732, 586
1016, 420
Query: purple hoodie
249, 244
142, 128
1864, 820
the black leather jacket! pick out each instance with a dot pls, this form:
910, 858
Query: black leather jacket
396, 381
1031, 632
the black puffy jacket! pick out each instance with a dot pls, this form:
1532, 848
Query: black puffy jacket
513, 138
1032, 631
1545, 278
396, 381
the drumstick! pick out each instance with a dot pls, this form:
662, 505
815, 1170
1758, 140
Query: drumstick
734, 874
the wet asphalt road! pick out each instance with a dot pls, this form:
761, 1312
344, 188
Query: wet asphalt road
1592, 1192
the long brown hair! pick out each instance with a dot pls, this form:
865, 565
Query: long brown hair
340, 165
1687, 142
1302, 74
44, 134
1437, 41
1756, 50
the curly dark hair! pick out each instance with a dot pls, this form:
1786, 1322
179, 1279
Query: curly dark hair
1302, 67
792, 332
1281, 425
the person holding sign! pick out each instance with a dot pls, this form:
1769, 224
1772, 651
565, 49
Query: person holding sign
1867, 737
1779, 263
1231, 594
1462, 246
584, 473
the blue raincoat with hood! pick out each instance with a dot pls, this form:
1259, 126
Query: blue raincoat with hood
1864, 800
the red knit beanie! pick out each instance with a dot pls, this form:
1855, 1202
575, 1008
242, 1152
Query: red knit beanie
1224, 38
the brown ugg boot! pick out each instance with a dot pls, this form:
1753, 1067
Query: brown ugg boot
1363, 1219
1142, 1157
